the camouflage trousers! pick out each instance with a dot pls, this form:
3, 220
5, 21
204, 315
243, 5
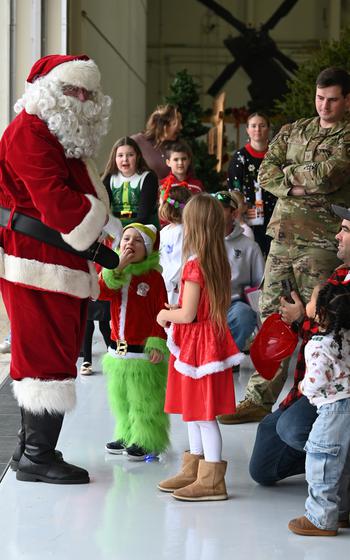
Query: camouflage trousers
305, 266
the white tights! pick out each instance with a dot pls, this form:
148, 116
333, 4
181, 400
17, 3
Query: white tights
205, 439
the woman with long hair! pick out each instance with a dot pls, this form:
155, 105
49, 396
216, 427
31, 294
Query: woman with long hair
163, 127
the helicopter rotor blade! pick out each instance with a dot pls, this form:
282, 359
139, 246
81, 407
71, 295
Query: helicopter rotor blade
280, 13
287, 62
224, 14
221, 80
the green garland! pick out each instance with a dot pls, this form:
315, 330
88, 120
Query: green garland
115, 279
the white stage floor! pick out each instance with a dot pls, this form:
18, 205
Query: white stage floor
121, 515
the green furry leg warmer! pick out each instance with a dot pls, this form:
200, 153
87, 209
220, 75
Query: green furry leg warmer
117, 396
136, 390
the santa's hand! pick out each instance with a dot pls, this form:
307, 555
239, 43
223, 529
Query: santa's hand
155, 356
291, 312
114, 228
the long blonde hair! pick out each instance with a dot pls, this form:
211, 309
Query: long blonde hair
204, 232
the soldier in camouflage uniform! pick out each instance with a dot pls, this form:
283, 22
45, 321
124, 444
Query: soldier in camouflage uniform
307, 167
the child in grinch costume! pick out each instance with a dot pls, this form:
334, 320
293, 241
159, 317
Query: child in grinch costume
136, 365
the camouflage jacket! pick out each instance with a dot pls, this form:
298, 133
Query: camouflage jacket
317, 158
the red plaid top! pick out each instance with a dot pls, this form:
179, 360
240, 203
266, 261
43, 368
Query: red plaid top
307, 329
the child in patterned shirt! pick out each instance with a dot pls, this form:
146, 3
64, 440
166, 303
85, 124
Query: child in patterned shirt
327, 386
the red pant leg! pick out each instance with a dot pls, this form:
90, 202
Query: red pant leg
47, 329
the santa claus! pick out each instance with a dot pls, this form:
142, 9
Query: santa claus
53, 207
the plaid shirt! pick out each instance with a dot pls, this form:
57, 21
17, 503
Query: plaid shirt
307, 329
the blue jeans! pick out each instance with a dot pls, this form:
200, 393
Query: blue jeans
279, 444
328, 465
241, 320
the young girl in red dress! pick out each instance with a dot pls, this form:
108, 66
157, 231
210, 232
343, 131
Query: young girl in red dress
200, 380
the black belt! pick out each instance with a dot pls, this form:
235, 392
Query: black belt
21, 223
122, 347
125, 215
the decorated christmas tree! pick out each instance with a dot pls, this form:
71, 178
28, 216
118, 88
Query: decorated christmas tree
184, 94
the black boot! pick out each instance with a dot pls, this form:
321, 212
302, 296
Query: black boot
39, 461
18, 452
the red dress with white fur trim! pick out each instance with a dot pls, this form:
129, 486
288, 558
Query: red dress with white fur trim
200, 380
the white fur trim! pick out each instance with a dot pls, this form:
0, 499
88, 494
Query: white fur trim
89, 229
79, 73
209, 368
49, 277
122, 313
206, 369
38, 395
95, 179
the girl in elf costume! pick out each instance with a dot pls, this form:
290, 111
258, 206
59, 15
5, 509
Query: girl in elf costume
200, 381
136, 364
132, 187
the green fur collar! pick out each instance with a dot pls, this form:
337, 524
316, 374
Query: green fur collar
115, 279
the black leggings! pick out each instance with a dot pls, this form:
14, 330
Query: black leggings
105, 330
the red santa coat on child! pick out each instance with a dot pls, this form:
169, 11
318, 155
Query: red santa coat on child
134, 308
44, 288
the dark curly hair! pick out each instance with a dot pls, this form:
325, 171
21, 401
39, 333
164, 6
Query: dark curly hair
333, 310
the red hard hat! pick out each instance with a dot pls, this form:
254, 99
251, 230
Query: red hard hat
275, 341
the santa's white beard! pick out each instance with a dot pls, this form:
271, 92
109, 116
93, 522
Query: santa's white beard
78, 126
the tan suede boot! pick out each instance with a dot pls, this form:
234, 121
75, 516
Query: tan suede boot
210, 484
186, 476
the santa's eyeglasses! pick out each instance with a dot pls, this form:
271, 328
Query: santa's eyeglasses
75, 91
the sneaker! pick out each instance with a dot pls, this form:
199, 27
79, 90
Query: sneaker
5, 347
246, 411
86, 368
136, 453
115, 447
302, 526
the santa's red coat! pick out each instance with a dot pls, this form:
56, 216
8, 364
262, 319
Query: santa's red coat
45, 287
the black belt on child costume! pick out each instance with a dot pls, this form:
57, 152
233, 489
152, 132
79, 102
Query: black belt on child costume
122, 347
124, 214
32, 227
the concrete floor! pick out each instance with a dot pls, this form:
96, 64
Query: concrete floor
122, 516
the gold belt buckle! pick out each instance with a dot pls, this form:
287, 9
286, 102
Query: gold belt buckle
122, 347
125, 214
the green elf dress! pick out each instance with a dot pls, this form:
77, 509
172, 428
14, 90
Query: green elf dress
134, 199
